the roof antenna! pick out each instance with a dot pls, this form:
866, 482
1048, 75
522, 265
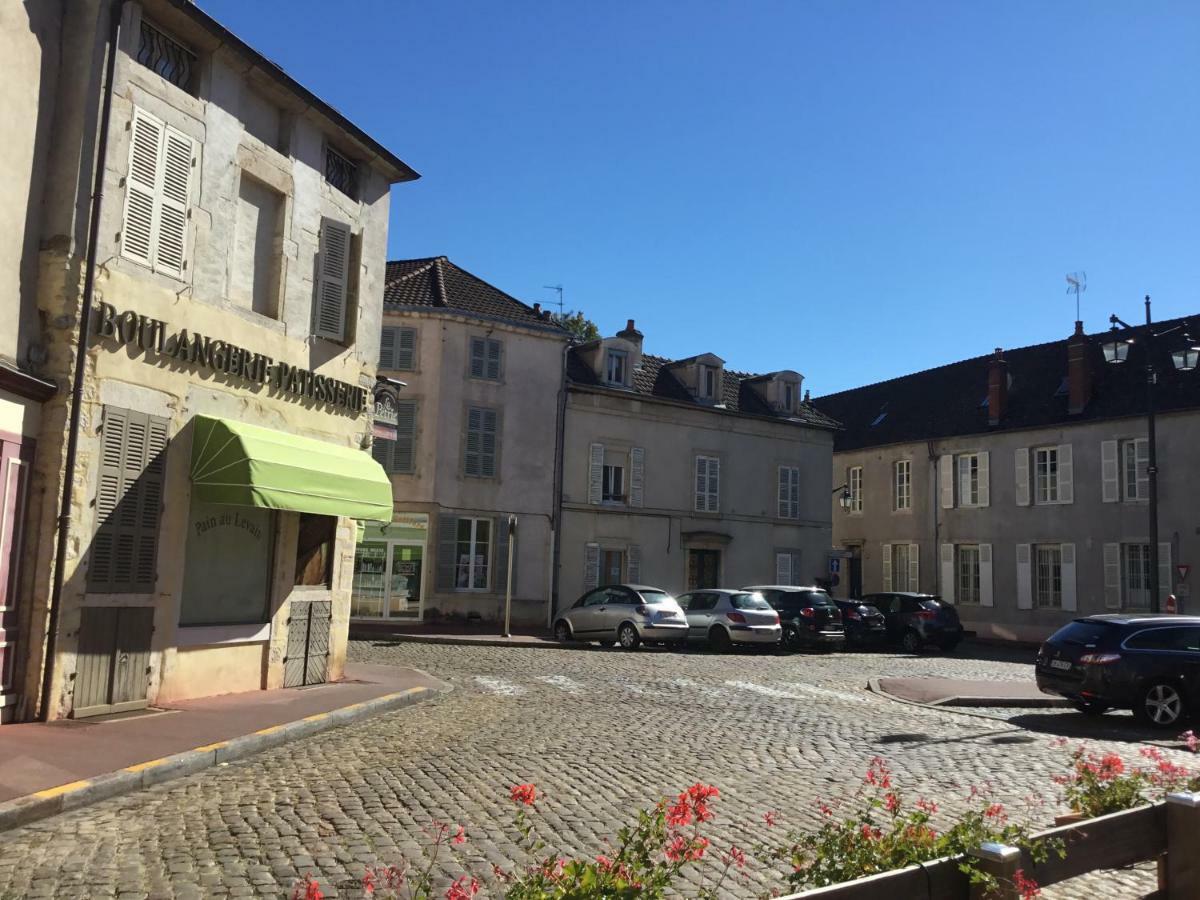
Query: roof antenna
559, 288
1077, 284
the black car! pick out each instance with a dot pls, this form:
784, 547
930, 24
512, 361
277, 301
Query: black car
809, 616
865, 625
1147, 663
915, 621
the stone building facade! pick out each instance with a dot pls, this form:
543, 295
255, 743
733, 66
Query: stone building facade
225, 407
1016, 484
683, 474
477, 433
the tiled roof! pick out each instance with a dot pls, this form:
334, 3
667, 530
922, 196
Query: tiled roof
654, 378
950, 400
437, 283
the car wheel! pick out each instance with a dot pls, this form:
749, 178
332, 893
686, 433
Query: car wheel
1091, 707
562, 631
1160, 704
718, 639
628, 637
911, 642
791, 637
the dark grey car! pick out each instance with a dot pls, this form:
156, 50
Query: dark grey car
915, 621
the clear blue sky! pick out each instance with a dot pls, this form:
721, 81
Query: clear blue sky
854, 190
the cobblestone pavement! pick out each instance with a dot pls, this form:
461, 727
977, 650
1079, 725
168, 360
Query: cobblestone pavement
601, 732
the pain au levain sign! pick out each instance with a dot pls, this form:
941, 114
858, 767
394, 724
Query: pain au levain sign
215, 355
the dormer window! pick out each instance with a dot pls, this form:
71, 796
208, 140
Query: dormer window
614, 367
789, 398
708, 382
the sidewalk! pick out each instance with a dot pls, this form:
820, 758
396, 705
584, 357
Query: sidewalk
464, 633
52, 767
963, 692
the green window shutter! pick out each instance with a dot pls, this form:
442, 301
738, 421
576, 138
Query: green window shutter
381, 450
333, 279
387, 348
108, 499
493, 360
471, 459
447, 536
404, 447
406, 349
487, 444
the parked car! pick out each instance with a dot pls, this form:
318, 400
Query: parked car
808, 615
627, 614
723, 618
915, 621
1147, 663
865, 625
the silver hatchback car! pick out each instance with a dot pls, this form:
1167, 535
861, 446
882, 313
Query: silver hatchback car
723, 618
627, 614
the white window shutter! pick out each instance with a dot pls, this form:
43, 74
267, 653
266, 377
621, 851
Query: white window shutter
1166, 573
1066, 474
914, 567
1069, 600
170, 253
1021, 468
1142, 462
141, 187
329, 320
948, 573
795, 494
387, 348
985, 475
637, 476
783, 568
633, 563
595, 473
701, 482
714, 484
1112, 576
946, 479
887, 567
478, 358
784, 474
985, 575
591, 567
406, 348
1024, 577
1110, 472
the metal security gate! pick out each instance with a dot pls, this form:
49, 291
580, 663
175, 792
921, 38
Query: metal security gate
112, 671
307, 660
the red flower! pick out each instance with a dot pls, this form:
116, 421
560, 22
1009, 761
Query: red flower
892, 803
1111, 765
699, 845
462, 889
680, 813
737, 856
460, 836
871, 834
312, 890
677, 849
927, 806
524, 793
1026, 886
996, 811
771, 818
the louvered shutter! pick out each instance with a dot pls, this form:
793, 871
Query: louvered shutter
171, 245
141, 187
404, 447
985, 478
914, 567
948, 573
637, 476
1069, 590
1142, 470
493, 360
985, 575
478, 358
1110, 476
795, 493
387, 348
488, 444
1021, 469
146, 567
591, 567
1066, 474
595, 473
108, 498
1112, 576
406, 349
447, 545
946, 480
887, 567
500, 557
633, 563
333, 279
1024, 577
783, 568
129, 512
714, 485
381, 450
701, 483
1166, 573
785, 492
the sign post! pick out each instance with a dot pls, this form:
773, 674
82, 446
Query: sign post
512, 544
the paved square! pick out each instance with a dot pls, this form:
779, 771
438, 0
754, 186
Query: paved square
600, 731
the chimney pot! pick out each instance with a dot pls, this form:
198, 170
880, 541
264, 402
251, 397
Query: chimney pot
537, 308
1079, 372
997, 387
629, 325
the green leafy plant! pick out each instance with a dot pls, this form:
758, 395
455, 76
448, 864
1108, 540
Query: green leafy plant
1099, 784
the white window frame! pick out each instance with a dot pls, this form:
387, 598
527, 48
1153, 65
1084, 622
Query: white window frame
902, 485
1135, 470
706, 483
854, 480
613, 475
473, 554
618, 360
901, 569
788, 494
1047, 565
1128, 564
1046, 475
969, 473
968, 581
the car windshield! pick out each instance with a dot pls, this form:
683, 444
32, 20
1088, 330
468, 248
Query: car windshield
808, 598
654, 598
1082, 633
748, 601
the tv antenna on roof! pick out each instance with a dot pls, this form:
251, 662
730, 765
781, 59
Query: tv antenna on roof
559, 288
1077, 284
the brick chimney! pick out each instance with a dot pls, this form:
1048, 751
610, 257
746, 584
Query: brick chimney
997, 387
631, 334
1079, 371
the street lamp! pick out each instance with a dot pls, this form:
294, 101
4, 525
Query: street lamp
845, 500
1116, 351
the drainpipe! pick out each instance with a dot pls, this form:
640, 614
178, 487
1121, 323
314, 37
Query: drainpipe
556, 522
936, 501
116, 10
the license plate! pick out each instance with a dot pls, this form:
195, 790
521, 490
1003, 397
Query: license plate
1060, 664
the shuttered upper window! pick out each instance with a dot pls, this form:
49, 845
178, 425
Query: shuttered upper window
333, 281
399, 455
128, 502
708, 484
789, 492
485, 358
397, 349
157, 194
480, 454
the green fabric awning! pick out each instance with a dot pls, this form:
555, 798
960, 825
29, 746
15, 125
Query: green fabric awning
245, 465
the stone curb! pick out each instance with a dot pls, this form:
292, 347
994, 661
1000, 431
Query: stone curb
457, 640
64, 797
953, 704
